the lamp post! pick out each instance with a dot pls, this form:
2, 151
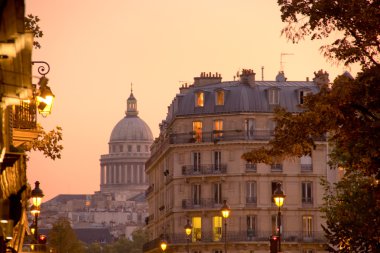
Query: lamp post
279, 197
188, 229
225, 213
37, 196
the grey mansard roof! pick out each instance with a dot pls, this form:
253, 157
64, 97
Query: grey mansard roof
240, 98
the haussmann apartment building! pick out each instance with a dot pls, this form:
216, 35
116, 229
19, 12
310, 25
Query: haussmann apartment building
196, 165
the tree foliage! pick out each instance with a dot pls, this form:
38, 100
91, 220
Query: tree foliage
47, 142
357, 21
122, 245
63, 238
352, 208
31, 24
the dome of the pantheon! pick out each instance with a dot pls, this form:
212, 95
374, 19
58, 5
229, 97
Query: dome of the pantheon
131, 127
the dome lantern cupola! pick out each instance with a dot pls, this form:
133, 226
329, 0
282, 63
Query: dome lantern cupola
131, 105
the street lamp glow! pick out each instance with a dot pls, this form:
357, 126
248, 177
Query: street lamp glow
37, 195
188, 228
225, 210
163, 245
279, 196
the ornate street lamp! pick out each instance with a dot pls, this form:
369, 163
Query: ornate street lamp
45, 96
279, 197
37, 196
188, 229
225, 213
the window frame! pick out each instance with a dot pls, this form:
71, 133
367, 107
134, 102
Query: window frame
198, 130
217, 193
274, 96
307, 192
219, 97
251, 192
199, 99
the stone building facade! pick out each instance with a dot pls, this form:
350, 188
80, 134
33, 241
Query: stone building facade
196, 164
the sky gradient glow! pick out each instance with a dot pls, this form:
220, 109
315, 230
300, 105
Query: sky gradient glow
97, 48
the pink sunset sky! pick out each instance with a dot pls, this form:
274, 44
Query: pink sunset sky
96, 48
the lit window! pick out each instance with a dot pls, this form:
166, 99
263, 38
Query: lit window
197, 129
217, 228
197, 229
274, 96
307, 226
219, 97
218, 129
302, 95
199, 99
307, 194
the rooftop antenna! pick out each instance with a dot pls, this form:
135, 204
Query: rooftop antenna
131, 87
282, 62
262, 73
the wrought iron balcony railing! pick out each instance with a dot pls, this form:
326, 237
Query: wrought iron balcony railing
201, 203
251, 200
220, 135
204, 169
25, 116
247, 236
306, 168
251, 167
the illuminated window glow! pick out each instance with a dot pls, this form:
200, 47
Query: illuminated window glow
199, 99
217, 228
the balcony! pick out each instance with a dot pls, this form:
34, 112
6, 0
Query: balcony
24, 123
202, 203
204, 169
242, 236
306, 202
306, 168
25, 116
225, 135
251, 167
251, 200
276, 167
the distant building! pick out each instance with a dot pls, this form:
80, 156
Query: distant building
120, 204
196, 164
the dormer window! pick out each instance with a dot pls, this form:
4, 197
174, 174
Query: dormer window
199, 99
274, 96
219, 97
302, 94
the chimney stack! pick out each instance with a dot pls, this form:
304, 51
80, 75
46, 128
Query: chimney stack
248, 77
207, 79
